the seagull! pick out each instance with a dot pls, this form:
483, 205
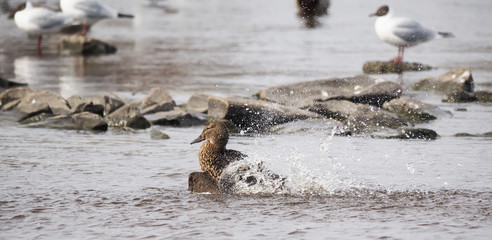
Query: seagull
39, 21
89, 12
402, 32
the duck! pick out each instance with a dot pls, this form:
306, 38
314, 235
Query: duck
39, 20
89, 12
402, 32
214, 157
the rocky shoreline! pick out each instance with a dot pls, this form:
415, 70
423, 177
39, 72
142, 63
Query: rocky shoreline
356, 105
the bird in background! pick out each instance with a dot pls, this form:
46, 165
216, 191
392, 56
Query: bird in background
89, 12
38, 21
402, 32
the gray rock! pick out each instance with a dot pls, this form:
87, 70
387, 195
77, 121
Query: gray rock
13, 94
127, 116
202, 182
358, 89
158, 100
101, 105
456, 80
378, 67
255, 115
39, 101
412, 110
358, 118
177, 117
80, 45
79, 121
197, 102
5, 83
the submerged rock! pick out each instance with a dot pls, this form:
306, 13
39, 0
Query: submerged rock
358, 89
177, 117
358, 118
80, 45
459, 97
456, 80
411, 133
202, 182
79, 121
127, 116
379, 67
487, 134
256, 115
412, 110
157, 100
483, 96
157, 134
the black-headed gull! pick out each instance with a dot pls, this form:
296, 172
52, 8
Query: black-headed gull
39, 21
89, 12
402, 32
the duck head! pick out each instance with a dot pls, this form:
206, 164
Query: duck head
382, 11
215, 133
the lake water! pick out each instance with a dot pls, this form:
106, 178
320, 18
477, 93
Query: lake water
58, 184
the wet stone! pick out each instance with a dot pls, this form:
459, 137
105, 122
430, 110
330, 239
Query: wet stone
177, 117
197, 102
456, 80
358, 89
157, 100
411, 110
80, 45
411, 133
127, 116
379, 67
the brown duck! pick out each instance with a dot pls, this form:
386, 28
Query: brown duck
214, 156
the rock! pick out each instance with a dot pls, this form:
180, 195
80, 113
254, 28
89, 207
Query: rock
127, 116
202, 182
459, 97
198, 102
358, 89
412, 110
378, 67
156, 134
13, 94
487, 134
39, 101
79, 121
358, 118
456, 80
255, 115
101, 105
158, 100
5, 83
80, 45
412, 133
177, 117
483, 96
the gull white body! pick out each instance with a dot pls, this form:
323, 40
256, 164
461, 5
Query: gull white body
87, 11
39, 21
402, 32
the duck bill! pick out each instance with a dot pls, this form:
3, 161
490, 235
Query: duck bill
197, 140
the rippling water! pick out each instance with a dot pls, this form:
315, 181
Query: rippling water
123, 184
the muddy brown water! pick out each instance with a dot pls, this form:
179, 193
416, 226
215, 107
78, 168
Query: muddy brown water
58, 184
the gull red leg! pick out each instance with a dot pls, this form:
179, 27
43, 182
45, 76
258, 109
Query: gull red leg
84, 30
39, 44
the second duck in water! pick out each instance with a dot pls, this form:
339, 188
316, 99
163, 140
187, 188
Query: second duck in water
213, 156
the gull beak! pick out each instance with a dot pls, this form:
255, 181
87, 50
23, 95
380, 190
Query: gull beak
199, 139
372, 14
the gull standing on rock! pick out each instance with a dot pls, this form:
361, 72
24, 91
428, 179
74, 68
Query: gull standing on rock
39, 21
89, 12
402, 32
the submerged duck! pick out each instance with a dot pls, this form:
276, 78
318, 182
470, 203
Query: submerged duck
213, 156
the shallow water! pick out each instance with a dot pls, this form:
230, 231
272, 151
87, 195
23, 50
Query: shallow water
123, 184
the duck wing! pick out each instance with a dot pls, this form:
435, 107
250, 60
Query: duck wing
233, 155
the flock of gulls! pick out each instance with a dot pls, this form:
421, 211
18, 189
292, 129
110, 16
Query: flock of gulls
213, 156
39, 20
